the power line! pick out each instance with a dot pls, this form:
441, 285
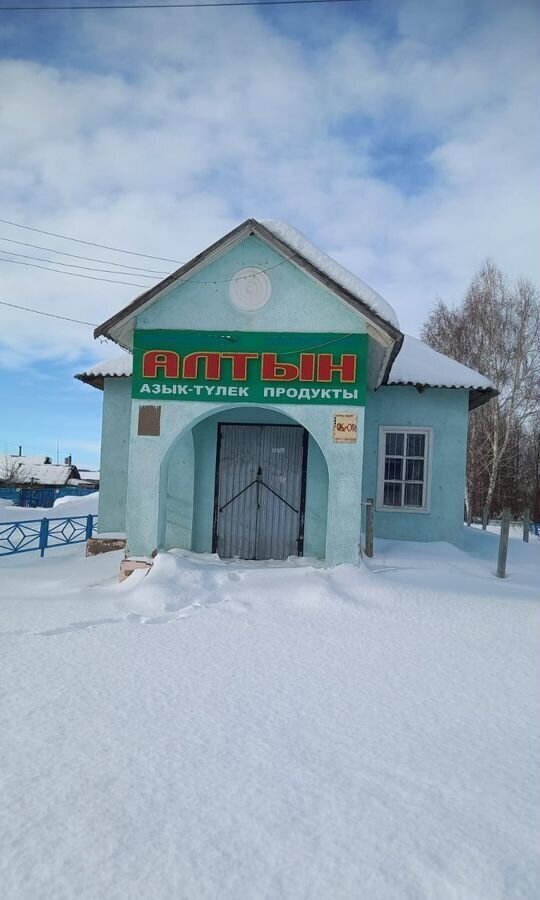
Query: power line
188, 280
18, 262
204, 5
107, 262
106, 247
239, 278
66, 237
72, 265
41, 312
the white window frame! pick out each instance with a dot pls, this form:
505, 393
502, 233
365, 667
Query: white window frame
404, 429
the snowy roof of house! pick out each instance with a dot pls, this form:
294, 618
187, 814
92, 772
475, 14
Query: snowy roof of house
89, 474
416, 364
419, 364
116, 367
334, 270
32, 460
294, 247
37, 473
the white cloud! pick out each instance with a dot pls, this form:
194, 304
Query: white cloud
183, 127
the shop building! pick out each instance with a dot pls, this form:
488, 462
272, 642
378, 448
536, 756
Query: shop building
266, 394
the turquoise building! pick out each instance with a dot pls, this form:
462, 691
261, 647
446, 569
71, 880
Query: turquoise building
266, 394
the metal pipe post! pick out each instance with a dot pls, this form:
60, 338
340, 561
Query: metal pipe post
503, 542
369, 527
43, 535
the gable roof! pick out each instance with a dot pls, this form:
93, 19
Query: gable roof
298, 250
50, 474
41, 473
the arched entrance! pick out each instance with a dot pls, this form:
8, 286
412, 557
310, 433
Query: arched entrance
249, 482
260, 490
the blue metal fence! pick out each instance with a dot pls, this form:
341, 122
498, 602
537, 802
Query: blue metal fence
44, 534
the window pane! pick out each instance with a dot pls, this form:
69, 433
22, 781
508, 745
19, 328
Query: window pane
393, 468
392, 494
416, 444
414, 494
394, 444
414, 470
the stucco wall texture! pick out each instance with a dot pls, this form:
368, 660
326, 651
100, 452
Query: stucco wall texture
298, 302
115, 437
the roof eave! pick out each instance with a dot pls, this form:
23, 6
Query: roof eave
477, 396
391, 358
95, 381
309, 267
103, 330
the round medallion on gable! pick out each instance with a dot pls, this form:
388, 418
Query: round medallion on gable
250, 289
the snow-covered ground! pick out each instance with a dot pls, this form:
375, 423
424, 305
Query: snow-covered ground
229, 731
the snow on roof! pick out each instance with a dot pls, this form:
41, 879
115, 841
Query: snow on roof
40, 474
32, 460
417, 363
118, 366
333, 269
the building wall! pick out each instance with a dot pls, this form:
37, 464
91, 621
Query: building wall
180, 497
446, 412
171, 477
151, 459
189, 483
115, 436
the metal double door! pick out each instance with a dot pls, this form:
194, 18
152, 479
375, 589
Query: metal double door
260, 491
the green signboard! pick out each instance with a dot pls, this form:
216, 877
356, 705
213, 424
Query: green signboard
250, 367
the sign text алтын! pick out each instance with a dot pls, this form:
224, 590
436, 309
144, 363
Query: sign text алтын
252, 367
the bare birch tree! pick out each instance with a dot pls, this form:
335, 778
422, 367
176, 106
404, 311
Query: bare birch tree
496, 331
12, 471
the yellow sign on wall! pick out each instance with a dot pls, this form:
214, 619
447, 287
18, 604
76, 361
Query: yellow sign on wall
345, 428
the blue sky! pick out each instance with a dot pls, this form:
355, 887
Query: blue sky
401, 137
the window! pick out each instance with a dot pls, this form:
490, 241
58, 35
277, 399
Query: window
404, 469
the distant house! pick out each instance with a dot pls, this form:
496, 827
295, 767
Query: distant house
36, 480
89, 478
36, 471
